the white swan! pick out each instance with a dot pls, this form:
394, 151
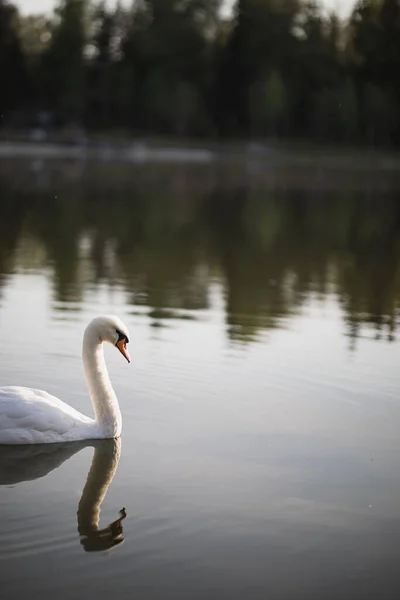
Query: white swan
29, 416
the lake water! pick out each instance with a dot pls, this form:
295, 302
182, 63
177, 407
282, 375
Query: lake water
260, 454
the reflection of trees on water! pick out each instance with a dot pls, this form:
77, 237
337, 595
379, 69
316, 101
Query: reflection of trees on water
162, 234
11, 217
57, 221
369, 274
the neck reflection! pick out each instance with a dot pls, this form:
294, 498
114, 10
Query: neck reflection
30, 462
103, 468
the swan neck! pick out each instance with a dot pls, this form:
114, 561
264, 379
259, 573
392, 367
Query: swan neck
102, 395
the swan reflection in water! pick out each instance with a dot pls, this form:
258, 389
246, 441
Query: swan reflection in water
30, 462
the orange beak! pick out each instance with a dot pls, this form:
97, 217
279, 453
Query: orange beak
121, 345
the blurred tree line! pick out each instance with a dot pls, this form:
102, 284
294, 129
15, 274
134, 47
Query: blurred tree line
274, 68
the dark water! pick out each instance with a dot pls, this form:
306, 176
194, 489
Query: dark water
261, 412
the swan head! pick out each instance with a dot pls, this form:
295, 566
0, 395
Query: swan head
111, 329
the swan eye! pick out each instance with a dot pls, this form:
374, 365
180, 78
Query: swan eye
121, 336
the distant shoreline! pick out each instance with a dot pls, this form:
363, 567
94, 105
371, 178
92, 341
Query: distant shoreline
134, 152
141, 151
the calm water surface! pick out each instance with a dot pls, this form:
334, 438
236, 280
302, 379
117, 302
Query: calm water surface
261, 412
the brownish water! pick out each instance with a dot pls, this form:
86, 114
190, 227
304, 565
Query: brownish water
260, 449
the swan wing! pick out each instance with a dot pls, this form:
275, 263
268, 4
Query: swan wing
33, 416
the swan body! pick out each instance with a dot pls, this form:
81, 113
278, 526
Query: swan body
30, 416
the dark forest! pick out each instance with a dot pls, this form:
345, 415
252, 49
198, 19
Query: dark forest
280, 69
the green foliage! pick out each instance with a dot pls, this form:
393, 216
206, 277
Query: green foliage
14, 78
336, 113
178, 67
63, 61
268, 105
380, 115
